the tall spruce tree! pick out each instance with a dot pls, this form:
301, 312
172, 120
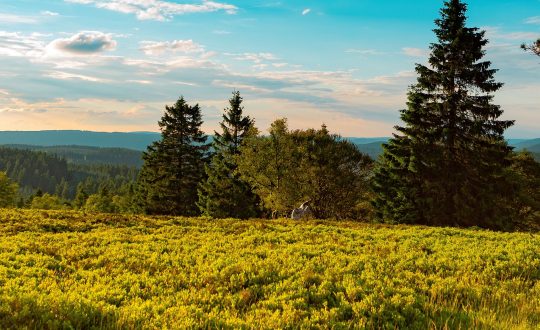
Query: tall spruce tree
446, 164
224, 194
174, 166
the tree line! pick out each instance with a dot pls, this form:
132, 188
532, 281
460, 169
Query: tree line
448, 164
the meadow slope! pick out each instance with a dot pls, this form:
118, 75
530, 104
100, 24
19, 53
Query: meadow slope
66, 269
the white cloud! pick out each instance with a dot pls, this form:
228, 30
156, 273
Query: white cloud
365, 51
16, 44
533, 20
61, 75
256, 58
157, 9
160, 47
17, 19
49, 13
414, 52
83, 43
306, 11
221, 32
495, 33
142, 82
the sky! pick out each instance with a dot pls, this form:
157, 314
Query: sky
113, 65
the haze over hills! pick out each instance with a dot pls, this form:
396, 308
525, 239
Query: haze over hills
132, 140
89, 147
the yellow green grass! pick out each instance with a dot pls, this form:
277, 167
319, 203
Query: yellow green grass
70, 270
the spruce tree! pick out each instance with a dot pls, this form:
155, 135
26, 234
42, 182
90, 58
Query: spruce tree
174, 166
445, 166
224, 194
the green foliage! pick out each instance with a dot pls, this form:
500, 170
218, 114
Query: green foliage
48, 202
102, 202
87, 155
224, 194
447, 165
80, 197
270, 165
68, 270
524, 173
174, 166
8, 191
533, 48
34, 170
287, 168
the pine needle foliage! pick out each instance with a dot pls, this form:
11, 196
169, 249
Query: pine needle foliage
174, 166
446, 164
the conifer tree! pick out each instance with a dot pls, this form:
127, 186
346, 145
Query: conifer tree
8, 191
224, 194
174, 166
445, 166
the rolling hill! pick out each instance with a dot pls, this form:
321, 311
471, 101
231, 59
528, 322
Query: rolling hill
140, 140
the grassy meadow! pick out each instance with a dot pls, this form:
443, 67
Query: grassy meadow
71, 270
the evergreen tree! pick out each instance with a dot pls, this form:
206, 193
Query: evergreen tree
446, 165
8, 191
80, 197
224, 194
174, 166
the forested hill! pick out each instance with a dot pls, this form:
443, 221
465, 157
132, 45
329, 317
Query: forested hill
140, 140
86, 155
39, 171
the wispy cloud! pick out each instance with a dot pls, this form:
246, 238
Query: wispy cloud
157, 9
306, 11
533, 20
49, 13
160, 47
16, 44
256, 58
365, 51
414, 52
17, 19
72, 76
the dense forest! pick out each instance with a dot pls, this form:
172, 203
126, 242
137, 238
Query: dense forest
42, 173
87, 155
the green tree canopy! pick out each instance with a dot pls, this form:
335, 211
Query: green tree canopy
446, 164
48, 202
287, 168
174, 166
8, 191
224, 194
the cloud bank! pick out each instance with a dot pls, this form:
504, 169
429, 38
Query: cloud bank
157, 9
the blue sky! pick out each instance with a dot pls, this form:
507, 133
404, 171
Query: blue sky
112, 65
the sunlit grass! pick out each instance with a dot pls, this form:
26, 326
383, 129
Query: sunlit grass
65, 269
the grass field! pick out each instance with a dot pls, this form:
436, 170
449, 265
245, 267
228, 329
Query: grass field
69, 270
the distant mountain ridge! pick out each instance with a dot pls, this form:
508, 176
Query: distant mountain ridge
136, 141
140, 140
